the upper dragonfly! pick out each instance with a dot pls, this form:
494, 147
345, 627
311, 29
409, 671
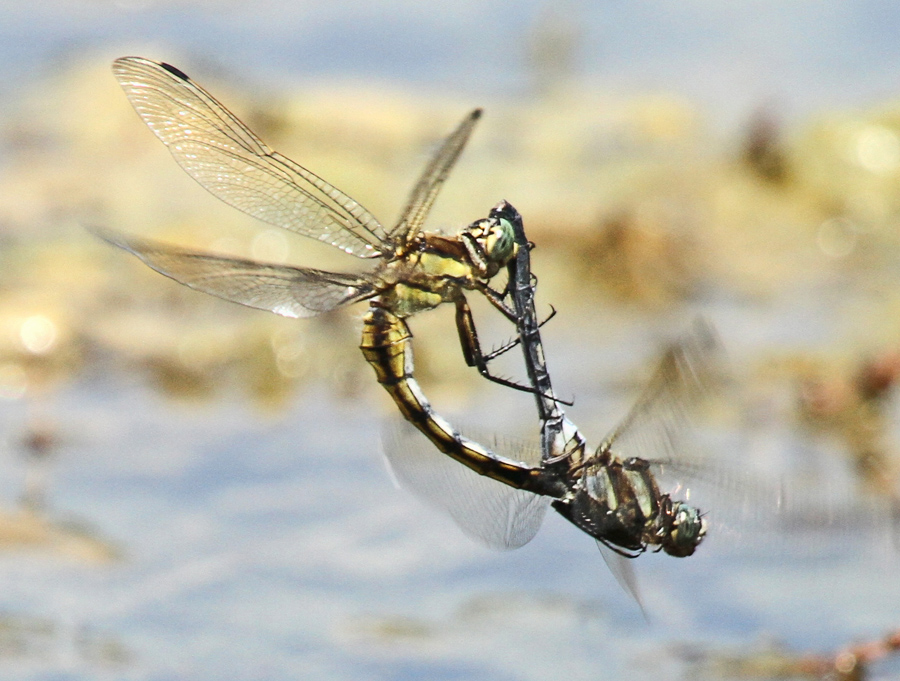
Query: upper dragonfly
417, 270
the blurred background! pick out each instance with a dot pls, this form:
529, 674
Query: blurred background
191, 489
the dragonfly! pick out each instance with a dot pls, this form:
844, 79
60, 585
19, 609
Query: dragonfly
416, 270
616, 493
611, 493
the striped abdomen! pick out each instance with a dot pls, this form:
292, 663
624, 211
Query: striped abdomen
386, 345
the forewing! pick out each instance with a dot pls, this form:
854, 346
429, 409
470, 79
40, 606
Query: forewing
426, 190
231, 162
288, 291
490, 512
654, 427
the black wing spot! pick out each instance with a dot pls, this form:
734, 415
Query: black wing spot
175, 72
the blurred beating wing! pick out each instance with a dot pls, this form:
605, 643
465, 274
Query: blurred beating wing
768, 511
426, 190
782, 513
654, 426
284, 290
490, 512
232, 163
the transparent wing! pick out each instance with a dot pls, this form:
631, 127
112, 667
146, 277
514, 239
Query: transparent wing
490, 512
426, 190
623, 570
232, 163
284, 290
654, 427
779, 513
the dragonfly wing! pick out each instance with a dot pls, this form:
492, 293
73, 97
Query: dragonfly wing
780, 513
232, 163
490, 512
656, 424
731, 499
288, 291
426, 190
623, 570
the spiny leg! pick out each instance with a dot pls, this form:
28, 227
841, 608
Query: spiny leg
625, 553
498, 300
468, 339
516, 341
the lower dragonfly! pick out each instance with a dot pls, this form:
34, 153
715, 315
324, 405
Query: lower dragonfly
614, 493
611, 494
417, 270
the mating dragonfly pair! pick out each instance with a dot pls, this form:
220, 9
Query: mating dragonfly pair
616, 500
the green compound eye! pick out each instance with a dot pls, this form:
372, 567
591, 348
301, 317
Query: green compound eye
688, 530
499, 244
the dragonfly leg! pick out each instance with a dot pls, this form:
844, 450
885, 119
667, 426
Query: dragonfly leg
516, 341
625, 553
498, 300
471, 347
509, 291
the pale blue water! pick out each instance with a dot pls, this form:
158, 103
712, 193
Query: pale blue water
277, 548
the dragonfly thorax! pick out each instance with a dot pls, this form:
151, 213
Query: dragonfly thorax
436, 269
490, 243
619, 504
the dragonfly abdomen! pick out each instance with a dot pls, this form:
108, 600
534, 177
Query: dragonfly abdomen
386, 345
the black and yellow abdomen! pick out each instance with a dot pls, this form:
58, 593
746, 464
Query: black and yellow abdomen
387, 347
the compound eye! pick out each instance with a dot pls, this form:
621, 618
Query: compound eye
499, 244
688, 530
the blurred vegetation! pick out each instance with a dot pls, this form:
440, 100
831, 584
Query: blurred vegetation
632, 202
855, 662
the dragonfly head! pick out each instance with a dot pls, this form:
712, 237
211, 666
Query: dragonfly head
686, 531
491, 243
